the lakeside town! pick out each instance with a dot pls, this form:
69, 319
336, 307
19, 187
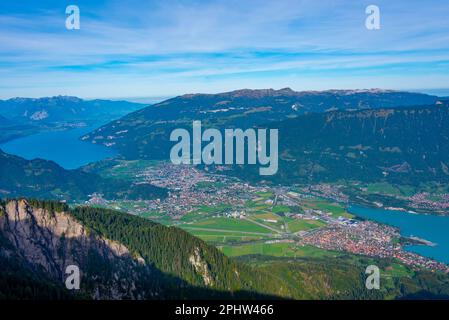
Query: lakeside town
370, 239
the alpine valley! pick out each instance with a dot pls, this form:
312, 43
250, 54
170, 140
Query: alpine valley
352, 163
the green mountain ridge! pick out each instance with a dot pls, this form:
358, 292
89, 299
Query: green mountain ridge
407, 145
145, 133
45, 179
374, 136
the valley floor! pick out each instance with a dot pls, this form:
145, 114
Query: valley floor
243, 219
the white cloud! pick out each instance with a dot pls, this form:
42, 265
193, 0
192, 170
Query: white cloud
169, 45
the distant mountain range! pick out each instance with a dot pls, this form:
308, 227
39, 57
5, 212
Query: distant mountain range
46, 180
24, 116
63, 109
139, 134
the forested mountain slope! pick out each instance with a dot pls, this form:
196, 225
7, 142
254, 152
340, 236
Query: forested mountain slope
45, 179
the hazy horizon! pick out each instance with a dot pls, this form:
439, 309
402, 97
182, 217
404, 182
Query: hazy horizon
155, 99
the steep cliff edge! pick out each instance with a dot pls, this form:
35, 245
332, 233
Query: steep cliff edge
49, 242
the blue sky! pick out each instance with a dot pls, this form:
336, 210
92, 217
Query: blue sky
162, 48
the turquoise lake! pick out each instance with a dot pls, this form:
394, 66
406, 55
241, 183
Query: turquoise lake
429, 227
62, 147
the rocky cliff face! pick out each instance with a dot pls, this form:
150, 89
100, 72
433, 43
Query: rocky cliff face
50, 241
201, 267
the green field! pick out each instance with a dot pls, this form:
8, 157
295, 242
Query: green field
206, 184
266, 215
213, 209
276, 249
386, 188
281, 209
224, 237
266, 195
227, 224
383, 188
257, 206
398, 270
295, 225
125, 169
334, 208
193, 216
